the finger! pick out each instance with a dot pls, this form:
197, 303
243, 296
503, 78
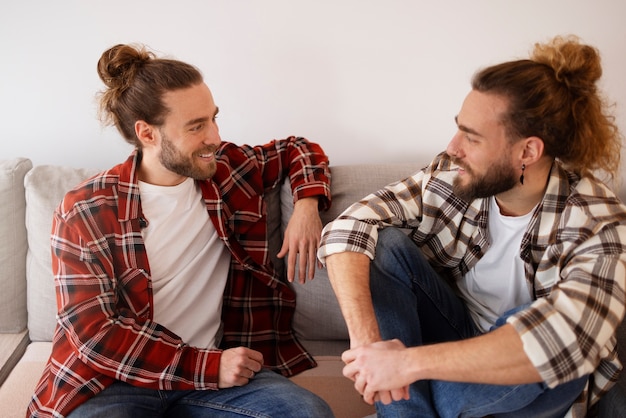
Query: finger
350, 371
348, 356
257, 358
304, 262
283, 250
251, 366
360, 384
231, 379
368, 396
291, 265
385, 397
312, 259
400, 394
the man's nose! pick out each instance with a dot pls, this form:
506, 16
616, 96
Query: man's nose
213, 135
453, 149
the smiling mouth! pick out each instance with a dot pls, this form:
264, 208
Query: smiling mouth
206, 154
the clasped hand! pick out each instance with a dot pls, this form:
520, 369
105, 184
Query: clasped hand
237, 366
378, 371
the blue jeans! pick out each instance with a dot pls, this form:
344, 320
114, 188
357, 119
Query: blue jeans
268, 394
414, 304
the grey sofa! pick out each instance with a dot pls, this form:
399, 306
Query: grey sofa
28, 305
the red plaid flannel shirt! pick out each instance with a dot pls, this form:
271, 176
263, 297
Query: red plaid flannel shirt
104, 328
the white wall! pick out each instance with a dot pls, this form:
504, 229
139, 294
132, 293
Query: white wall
370, 80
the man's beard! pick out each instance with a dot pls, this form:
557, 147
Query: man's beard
499, 178
175, 161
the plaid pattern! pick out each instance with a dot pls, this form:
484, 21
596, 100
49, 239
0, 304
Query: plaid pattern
574, 251
102, 275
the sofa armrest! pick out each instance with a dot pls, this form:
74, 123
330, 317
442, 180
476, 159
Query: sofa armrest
12, 347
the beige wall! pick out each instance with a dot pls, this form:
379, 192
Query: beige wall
370, 80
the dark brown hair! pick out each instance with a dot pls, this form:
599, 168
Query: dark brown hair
136, 81
553, 95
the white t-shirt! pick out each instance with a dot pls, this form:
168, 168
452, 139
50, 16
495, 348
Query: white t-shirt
188, 262
497, 283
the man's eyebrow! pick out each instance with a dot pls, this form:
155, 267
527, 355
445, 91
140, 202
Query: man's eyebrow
465, 128
203, 119
195, 121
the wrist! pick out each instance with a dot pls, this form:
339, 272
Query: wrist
307, 201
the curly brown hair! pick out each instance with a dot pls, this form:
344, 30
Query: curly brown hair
554, 96
136, 81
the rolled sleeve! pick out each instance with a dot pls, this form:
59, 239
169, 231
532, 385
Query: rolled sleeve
348, 235
568, 333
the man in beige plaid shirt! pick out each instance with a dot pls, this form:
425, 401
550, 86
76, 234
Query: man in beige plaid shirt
504, 297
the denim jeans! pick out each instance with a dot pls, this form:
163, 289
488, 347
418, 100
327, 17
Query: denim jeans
268, 394
414, 304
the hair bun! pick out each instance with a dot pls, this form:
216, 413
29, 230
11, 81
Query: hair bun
576, 65
119, 64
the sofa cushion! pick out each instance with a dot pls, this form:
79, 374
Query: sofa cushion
45, 188
17, 390
318, 316
13, 245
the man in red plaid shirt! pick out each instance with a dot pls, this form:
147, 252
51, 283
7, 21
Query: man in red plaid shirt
168, 304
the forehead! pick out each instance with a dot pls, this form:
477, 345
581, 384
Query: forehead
189, 103
482, 112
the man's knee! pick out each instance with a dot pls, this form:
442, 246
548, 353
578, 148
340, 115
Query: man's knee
317, 407
290, 399
391, 236
299, 402
396, 252
391, 244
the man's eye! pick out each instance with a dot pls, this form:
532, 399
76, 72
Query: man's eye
197, 127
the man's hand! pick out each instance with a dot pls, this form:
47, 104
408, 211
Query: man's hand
237, 366
302, 237
379, 371
494, 358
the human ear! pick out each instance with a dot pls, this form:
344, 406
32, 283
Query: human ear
533, 150
145, 132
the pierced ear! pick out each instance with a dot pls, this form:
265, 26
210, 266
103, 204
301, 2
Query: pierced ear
144, 132
533, 149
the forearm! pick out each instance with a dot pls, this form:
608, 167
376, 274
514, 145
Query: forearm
349, 276
138, 352
497, 357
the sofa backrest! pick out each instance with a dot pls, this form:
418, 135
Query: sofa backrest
13, 245
317, 312
318, 316
32, 194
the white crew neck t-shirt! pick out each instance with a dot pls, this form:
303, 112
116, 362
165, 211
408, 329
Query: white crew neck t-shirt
189, 263
497, 283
